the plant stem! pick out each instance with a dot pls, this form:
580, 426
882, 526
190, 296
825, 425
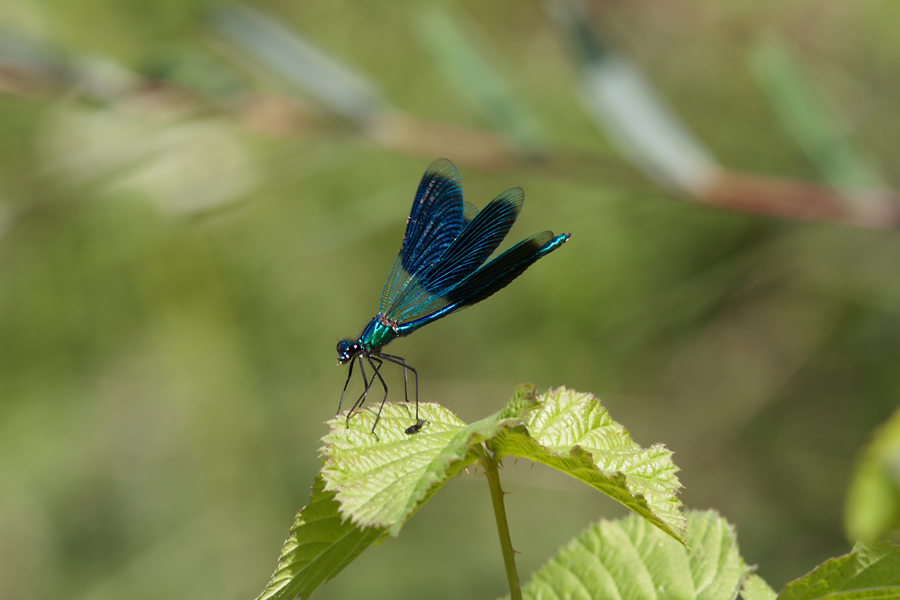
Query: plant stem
509, 559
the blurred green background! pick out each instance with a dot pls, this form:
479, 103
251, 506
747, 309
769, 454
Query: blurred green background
184, 238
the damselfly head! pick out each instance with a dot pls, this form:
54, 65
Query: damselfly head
347, 351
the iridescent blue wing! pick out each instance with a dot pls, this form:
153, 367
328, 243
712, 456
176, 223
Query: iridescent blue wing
498, 273
424, 293
490, 278
478, 240
437, 218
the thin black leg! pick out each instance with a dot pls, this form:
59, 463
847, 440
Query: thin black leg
399, 360
367, 385
377, 373
346, 383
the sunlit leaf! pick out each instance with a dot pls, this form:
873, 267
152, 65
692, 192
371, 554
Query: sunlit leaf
629, 558
320, 545
755, 588
381, 480
573, 433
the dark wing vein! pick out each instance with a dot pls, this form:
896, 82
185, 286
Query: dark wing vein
475, 244
487, 280
498, 273
436, 219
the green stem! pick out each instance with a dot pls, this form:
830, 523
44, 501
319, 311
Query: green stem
509, 559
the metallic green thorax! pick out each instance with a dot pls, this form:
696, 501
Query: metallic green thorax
379, 332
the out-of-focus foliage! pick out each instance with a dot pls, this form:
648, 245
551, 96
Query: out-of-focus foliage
181, 247
873, 500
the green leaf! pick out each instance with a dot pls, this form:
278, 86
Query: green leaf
873, 498
755, 588
630, 559
381, 481
573, 433
320, 545
867, 573
370, 485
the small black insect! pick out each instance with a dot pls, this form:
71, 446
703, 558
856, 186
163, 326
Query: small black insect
414, 428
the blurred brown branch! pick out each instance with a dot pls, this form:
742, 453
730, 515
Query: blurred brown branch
280, 115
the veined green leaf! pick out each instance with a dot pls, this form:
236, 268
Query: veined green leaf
573, 433
320, 545
869, 572
370, 485
630, 559
755, 588
381, 481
